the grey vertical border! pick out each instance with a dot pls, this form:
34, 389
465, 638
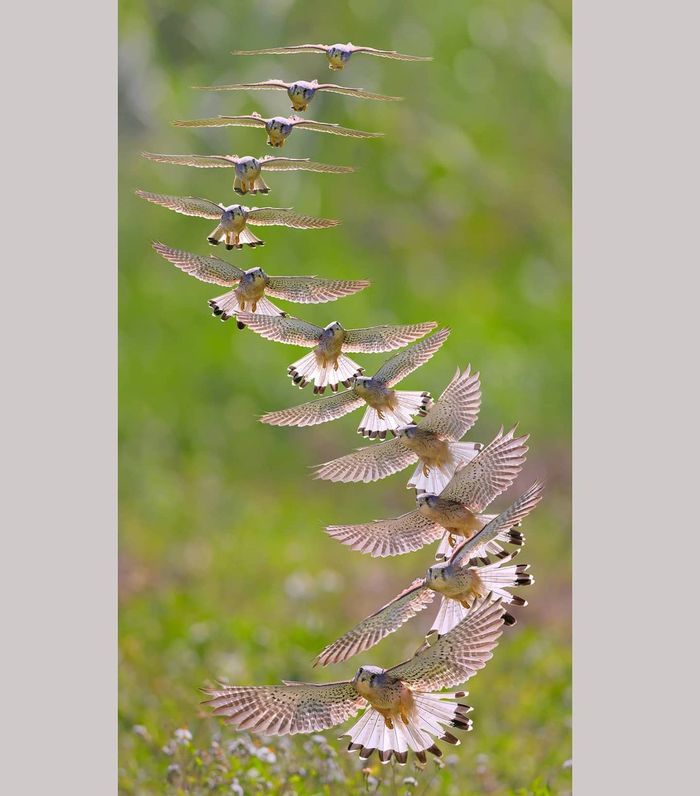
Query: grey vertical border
636, 139
59, 397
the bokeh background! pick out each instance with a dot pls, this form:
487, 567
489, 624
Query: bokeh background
460, 214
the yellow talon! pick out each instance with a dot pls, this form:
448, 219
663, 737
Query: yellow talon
255, 304
452, 540
426, 470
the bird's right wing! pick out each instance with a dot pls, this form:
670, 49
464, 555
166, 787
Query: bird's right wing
334, 129
282, 328
198, 161
315, 412
298, 48
399, 366
265, 84
489, 473
207, 269
368, 464
285, 709
514, 514
459, 654
313, 289
393, 537
391, 54
186, 205
249, 120
380, 339
272, 163
374, 628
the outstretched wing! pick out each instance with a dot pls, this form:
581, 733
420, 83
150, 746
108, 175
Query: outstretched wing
374, 628
457, 409
286, 217
298, 48
265, 84
489, 473
272, 163
379, 339
207, 269
282, 328
313, 289
399, 366
459, 654
368, 464
198, 161
334, 129
187, 205
248, 120
285, 709
514, 514
392, 537
390, 54
315, 412
356, 92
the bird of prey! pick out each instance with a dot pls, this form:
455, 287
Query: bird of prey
387, 409
327, 364
247, 170
233, 220
405, 708
301, 92
458, 511
337, 54
433, 443
459, 582
250, 288
278, 128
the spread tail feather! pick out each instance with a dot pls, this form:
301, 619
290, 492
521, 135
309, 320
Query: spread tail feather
427, 722
408, 404
445, 548
226, 306
450, 613
307, 369
497, 579
438, 477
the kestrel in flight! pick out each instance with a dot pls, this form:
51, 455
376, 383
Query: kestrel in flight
301, 92
405, 709
433, 443
278, 128
327, 364
459, 582
338, 54
233, 220
458, 511
247, 170
387, 409
250, 288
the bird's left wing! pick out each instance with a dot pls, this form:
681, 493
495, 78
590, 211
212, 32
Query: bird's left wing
374, 628
499, 525
285, 709
368, 464
390, 54
459, 654
313, 289
265, 84
286, 217
247, 120
457, 409
333, 129
272, 163
207, 269
392, 537
356, 92
186, 205
315, 412
379, 339
399, 366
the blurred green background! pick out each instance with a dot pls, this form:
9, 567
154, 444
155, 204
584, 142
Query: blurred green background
460, 214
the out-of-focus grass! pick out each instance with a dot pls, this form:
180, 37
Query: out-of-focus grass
460, 214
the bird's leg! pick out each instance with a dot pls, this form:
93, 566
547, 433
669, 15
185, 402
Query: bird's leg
237, 183
451, 539
380, 414
255, 304
426, 470
389, 722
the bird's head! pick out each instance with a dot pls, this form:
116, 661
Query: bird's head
335, 328
366, 677
338, 55
360, 382
257, 274
437, 575
278, 128
408, 431
427, 500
